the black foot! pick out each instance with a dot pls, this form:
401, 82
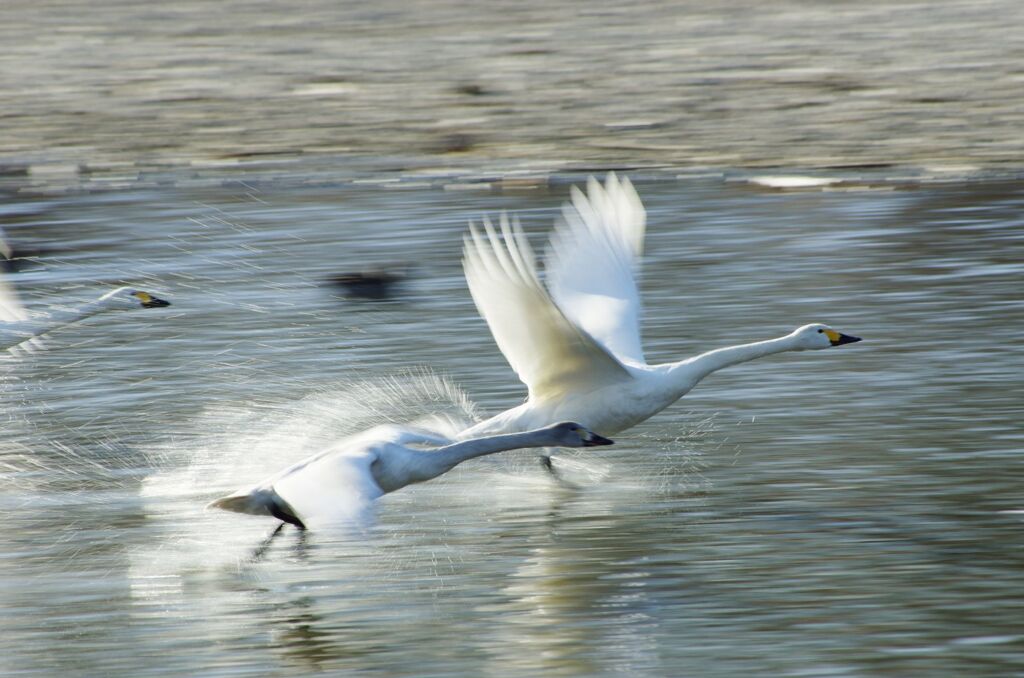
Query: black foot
282, 511
546, 463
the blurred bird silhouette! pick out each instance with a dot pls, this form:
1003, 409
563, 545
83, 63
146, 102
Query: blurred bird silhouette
371, 283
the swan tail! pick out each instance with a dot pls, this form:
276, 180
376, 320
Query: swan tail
240, 503
263, 502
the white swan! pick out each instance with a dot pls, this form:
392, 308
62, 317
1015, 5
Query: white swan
576, 344
341, 481
18, 326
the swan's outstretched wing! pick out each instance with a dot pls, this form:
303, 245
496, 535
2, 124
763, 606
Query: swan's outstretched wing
548, 352
592, 263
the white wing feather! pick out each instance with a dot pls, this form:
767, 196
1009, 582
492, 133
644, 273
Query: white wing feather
548, 352
592, 264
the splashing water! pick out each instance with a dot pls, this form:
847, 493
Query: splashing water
236, 446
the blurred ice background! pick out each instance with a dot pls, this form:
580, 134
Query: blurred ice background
97, 92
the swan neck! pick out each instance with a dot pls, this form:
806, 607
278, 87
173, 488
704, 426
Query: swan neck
701, 366
64, 317
21, 331
13, 333
18, 332
451, 455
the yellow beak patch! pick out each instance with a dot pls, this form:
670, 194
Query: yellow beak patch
833, 336
144, 297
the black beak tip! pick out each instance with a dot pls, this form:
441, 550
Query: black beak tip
155, 303
596, 440
847, 339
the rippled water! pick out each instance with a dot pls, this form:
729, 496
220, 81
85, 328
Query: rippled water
850, 512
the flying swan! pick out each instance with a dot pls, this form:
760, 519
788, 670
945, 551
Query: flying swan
17, 326
576, 343
342, 481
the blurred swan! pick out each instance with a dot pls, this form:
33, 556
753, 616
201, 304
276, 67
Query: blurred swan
18, 326
576, 344
342, 481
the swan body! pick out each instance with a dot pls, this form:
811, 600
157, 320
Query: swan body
343, 480
575, 343
17, 326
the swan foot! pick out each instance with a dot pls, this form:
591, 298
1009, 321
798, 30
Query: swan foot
282, 511
548, 465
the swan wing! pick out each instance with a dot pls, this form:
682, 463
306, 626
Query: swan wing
334, 488
593, 260
551, 355
405, 435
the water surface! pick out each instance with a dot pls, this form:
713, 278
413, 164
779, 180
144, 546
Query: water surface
849, 512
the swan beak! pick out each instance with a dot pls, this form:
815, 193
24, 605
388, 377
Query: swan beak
593, 440
841, 339
149, 301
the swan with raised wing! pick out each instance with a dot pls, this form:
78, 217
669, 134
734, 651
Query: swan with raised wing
576, 342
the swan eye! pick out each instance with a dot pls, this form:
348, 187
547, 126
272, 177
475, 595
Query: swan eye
821, 331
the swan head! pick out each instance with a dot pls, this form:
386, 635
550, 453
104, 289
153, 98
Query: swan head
571, 434
817, 336
127, 298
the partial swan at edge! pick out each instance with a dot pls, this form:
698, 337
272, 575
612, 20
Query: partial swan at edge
18, 326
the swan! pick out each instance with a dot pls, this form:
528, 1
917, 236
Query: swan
344, 479
17, 326
576, 343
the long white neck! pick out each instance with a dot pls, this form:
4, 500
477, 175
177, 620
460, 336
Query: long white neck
12, 334
686, 374
452, 455
66, 317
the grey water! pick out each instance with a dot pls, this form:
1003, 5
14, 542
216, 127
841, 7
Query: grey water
850, 512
